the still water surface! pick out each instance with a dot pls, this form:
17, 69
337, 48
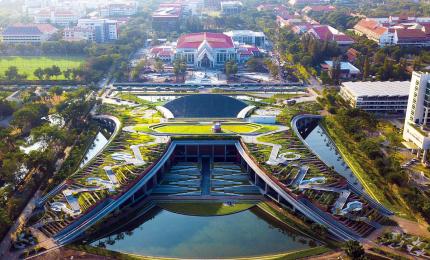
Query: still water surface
248, 233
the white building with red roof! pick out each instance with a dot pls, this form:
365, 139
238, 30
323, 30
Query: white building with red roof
205, 50
328, 33
401, 30
62, 17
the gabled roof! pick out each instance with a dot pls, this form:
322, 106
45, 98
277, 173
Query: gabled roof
319, 8
410, 33
327, 33
29, 29
372, 26
214, 40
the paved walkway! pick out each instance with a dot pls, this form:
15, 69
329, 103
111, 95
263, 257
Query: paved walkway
273, 158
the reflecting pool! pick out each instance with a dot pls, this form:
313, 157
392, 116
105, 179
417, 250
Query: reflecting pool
322, 145
167, 234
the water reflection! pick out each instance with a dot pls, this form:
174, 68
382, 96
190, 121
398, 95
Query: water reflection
322, 145
167, 234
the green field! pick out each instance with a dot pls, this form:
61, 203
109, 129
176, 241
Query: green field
27, 65
239, 128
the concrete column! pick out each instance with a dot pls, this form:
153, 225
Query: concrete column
426, 113
424, 159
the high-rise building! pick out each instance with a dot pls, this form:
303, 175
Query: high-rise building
105, 30
416, 128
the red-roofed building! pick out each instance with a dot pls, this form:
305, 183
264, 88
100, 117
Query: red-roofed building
318, 9
411, 37
374, 31
245, 52
288, 20
277, 9
302, 3
62, 17
402, 30
328, 33
205, 49
165, 53
352, 55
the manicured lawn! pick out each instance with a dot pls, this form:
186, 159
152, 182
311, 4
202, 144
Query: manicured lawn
28, 65
206, 129
205, 209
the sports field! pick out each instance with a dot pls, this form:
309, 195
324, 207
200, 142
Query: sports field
27, 65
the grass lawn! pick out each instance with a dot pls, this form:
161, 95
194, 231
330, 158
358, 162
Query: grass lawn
4, 94
204, 209
28, 65
206, 129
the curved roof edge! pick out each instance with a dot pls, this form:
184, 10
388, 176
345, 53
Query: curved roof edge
246, 111
165, 112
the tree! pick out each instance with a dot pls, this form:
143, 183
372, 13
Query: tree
48, 73
12, 73
56, 90
159, 67
354, 250
56, 71
335, 71
29, 116
39, 73
67, 74
230, 68
366, 68
179, 68
325, 77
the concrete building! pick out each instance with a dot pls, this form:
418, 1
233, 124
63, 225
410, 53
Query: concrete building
381, 97
347, 70
104, 30
61, 17
167, 17
119, 9
416, 130
72, 34
257, 39
231, 7
27, 33
212, 4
